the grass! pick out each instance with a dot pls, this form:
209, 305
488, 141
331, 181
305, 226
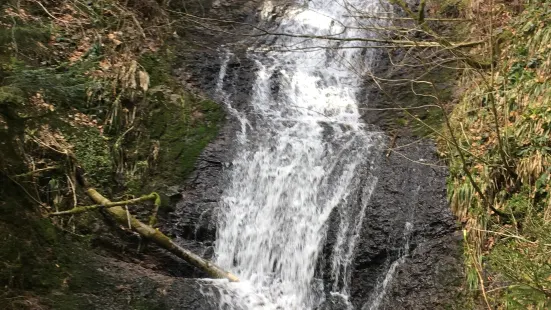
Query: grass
507, 258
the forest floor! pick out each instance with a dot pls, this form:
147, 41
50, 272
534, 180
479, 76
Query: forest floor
90, 83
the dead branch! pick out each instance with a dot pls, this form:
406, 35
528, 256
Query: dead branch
76, 210
123, 217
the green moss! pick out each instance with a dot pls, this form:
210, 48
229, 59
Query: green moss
158, 67
49, 267
27, 39
33, 254
39, 259
11, 95
183, 131
423, 109
44, 268
62, 85
449, 8
92, 151
433, 118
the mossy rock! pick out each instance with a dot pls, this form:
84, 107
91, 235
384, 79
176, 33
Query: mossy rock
183, 130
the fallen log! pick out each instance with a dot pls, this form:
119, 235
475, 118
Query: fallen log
123, 217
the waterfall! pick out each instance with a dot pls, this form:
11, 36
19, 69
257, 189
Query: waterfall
303, 153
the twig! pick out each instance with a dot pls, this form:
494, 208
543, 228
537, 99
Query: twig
511, 236
392, 144
76, 210
367, 16
418, 161
49, 14
73, 190
36, 171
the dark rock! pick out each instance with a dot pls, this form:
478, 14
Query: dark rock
411, 189
407, 221
334, 302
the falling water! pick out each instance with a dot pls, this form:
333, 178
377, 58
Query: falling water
381, 289
303, 153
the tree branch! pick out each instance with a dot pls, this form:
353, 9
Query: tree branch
124, 218
76, 210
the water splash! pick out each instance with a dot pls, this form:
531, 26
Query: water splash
305, 152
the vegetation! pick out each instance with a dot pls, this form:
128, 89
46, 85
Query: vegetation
88, 84
93, 79
493, 130
503, 124
95, 85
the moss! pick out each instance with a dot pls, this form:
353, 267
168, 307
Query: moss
92, 151
431, 117
43, 267
39, 260
33, 253
423, 110
449, 8
158, 67
62, 85
27, 39
11, 95
183, 131
36, 257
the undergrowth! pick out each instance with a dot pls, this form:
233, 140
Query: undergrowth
92, 79
96, 75
508, 249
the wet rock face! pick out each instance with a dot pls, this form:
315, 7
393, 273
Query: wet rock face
409, 237
194, 220
411, 192
333, 303
187, 295
411, 189
407, 221
408, 218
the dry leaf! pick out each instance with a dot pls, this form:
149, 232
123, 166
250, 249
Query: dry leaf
144, 80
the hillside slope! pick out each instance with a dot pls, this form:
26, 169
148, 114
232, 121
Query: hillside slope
503, 124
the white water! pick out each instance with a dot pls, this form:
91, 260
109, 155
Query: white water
303, 152
381, 289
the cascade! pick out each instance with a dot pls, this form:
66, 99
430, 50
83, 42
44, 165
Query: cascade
303, 154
